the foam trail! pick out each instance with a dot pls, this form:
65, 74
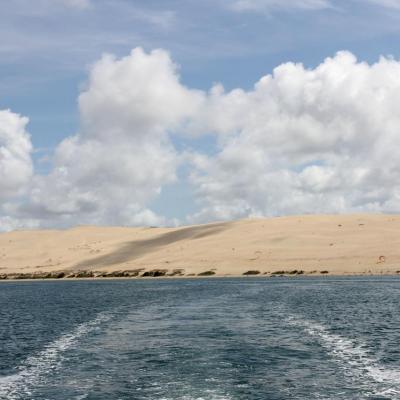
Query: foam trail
356, 360
36, 367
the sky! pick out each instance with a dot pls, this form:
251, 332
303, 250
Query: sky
171, 112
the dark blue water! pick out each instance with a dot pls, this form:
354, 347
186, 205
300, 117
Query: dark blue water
212, 339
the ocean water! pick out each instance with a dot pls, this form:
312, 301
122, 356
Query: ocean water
201, 339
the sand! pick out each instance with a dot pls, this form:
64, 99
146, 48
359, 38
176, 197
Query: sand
339, 244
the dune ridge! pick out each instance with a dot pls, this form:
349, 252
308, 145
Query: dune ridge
311, 244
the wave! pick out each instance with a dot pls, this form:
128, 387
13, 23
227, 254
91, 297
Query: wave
34, 369
354, 357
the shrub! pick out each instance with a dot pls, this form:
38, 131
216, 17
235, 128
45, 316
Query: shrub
155, 273
206, 273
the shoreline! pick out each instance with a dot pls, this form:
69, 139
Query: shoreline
166, 278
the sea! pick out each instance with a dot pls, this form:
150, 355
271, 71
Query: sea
201, 339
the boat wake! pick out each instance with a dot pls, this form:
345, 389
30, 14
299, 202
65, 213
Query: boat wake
36, 367
359, 365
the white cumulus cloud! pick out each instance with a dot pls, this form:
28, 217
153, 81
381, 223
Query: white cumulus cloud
15, 154
122, 155
321, 140
304, 141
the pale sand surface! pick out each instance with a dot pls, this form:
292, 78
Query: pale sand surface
344, 244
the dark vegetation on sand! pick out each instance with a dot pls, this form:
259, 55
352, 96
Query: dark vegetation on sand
142, 273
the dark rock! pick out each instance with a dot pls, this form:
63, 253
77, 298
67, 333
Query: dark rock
292, 272
47, 275
206, 273
295, 272
251, 273
84, 274
117, 274
155, 273
177, 272
21, 276
134, 272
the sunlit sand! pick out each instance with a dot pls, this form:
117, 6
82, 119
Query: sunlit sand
340, 244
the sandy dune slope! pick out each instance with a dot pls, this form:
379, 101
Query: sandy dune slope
344, 244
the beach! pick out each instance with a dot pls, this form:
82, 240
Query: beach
309, 245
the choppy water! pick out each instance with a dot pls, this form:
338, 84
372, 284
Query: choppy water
212, 339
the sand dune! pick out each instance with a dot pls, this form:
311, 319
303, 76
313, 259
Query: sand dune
345, 244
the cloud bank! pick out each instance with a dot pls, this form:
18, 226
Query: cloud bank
122, 155
322, 140
305, 141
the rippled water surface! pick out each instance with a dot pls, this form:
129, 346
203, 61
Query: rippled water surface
211, 339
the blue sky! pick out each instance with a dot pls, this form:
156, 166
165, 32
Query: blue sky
48, 49
46, 53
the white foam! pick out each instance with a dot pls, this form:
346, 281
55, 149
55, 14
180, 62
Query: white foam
36, 367
355, 359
